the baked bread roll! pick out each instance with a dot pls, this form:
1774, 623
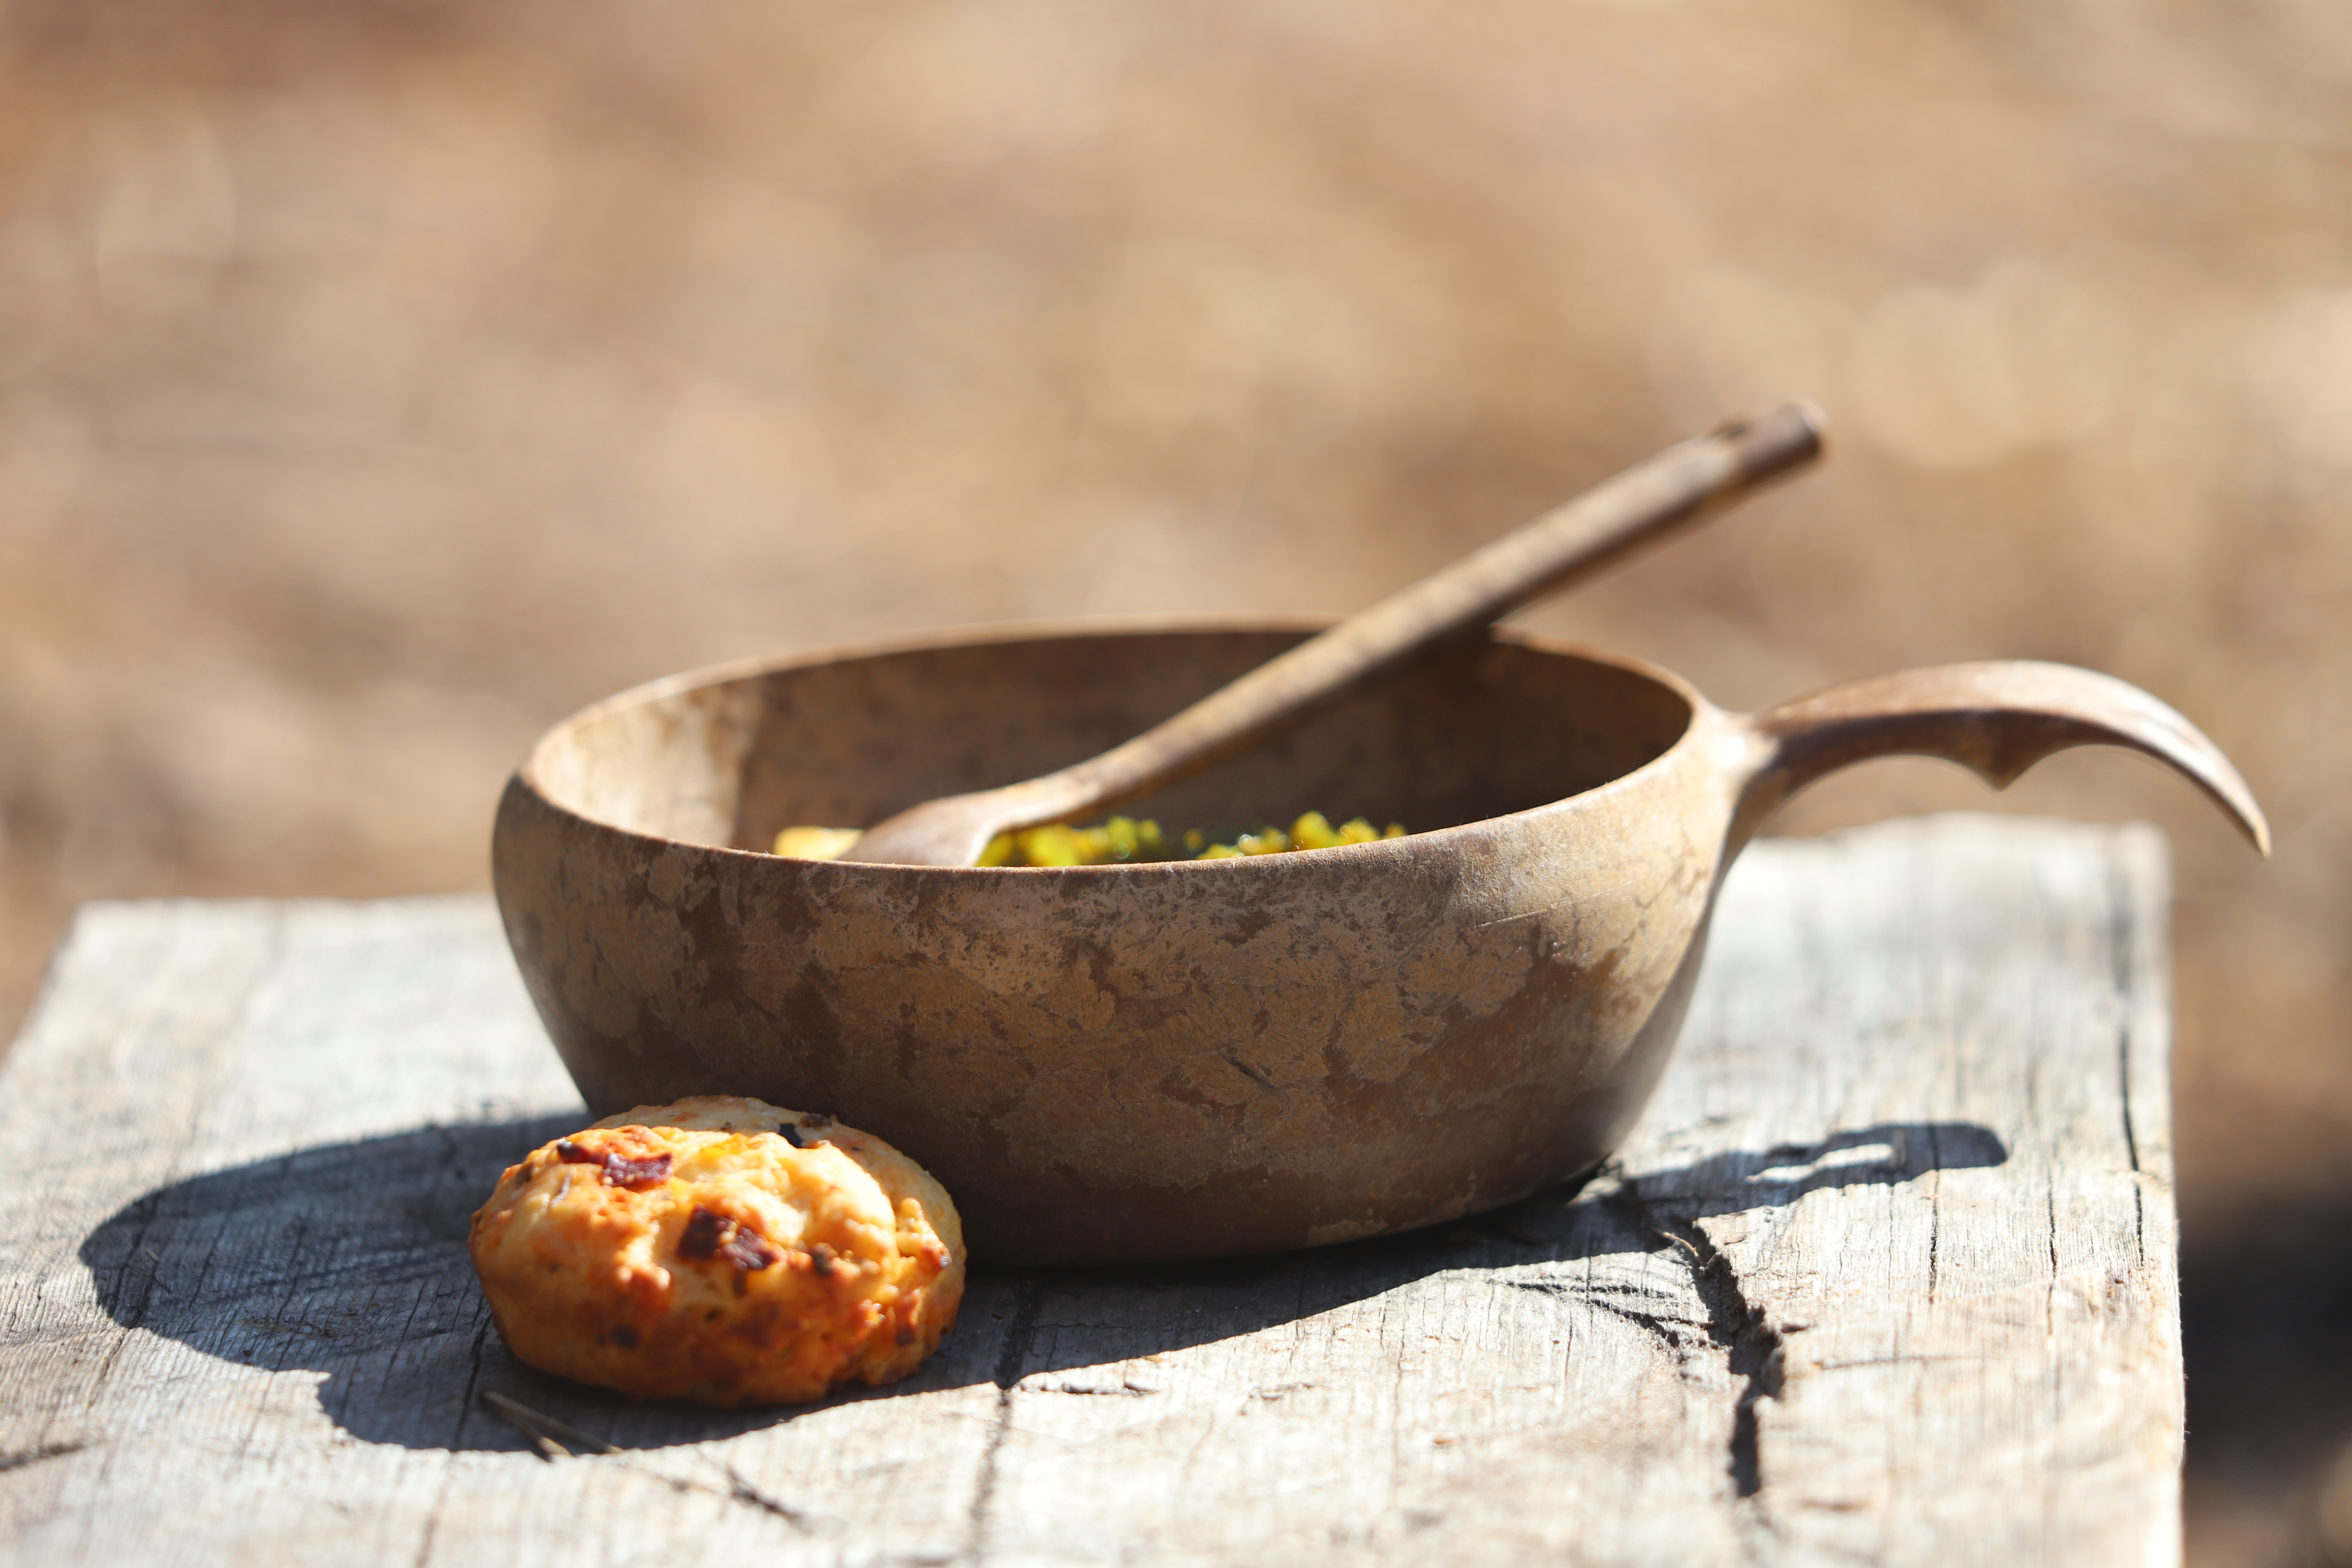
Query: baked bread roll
721, 1249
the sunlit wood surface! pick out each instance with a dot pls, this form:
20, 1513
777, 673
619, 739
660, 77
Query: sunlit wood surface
1887, 1273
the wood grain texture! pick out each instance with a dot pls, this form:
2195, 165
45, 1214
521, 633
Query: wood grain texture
1885, 1275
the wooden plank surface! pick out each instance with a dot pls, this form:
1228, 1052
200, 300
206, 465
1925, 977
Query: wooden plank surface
1886, 1274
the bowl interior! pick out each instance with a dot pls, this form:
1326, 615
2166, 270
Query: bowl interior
1484, 728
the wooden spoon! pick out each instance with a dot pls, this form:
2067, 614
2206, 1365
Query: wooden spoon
1643, 502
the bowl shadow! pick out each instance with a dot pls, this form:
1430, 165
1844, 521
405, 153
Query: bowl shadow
349, 1259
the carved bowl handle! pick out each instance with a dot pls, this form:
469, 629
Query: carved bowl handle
1996, 719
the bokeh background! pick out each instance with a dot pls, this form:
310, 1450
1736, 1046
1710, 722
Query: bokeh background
379, 381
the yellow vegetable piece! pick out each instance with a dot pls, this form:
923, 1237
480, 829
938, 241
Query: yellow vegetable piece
1314, 831
1053, 845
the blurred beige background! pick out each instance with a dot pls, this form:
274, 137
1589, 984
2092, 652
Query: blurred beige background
380, 381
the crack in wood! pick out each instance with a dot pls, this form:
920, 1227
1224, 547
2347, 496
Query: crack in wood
2120, 926
1125, 1390
1018, 1334
472, 1385
46, 1451
1733, 1324
2123, 922
1656, 1323
739, 1488
742, 1491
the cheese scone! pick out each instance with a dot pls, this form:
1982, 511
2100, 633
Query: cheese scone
721, 1249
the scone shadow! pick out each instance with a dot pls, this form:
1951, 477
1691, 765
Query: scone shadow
348, 1260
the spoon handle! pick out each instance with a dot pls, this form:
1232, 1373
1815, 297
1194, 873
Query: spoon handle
1639, 505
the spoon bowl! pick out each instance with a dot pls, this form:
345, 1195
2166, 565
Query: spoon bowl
1195, 1058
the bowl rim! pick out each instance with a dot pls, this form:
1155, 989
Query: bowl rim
998, 633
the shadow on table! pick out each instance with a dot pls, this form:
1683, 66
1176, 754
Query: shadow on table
349, 1259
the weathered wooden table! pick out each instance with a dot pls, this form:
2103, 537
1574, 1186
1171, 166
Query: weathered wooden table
1885, 1275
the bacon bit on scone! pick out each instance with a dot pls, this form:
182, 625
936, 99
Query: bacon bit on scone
710, 1236
620, 1170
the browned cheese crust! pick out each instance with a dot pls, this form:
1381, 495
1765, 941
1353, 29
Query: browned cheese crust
721, 1249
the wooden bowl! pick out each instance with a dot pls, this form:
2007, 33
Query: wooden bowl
1195, 1058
